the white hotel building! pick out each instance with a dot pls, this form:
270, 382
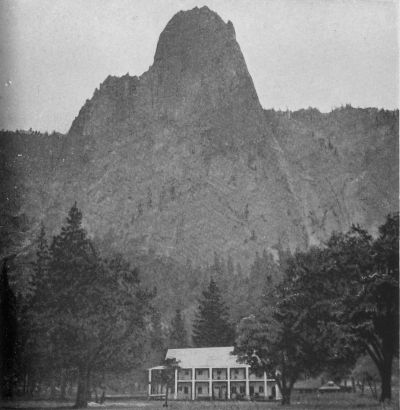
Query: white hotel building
212, 373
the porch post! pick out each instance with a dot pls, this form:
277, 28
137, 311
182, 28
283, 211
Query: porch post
210, 382
176, 385
247, 383
265, 385
193, 383
149, 388
229, 382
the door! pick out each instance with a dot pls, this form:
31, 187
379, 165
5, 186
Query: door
220, 392
223, 395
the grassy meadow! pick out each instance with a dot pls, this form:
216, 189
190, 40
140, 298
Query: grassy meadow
334, 401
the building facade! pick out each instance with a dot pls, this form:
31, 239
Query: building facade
211, 373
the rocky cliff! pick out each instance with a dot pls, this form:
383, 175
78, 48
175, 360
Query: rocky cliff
183, 161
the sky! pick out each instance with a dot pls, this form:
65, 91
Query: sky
300, 53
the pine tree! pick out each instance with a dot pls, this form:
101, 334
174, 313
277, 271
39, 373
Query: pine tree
211, 326
35, 346
178, 335
96, 309
8, 339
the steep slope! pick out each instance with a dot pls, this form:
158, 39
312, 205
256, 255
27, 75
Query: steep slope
183, 161
342, 166
179, 160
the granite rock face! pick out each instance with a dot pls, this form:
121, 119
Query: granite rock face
183, 160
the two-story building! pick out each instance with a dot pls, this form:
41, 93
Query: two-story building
212, 373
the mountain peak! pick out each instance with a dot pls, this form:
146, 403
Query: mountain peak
198, 72
198, 66
195, 28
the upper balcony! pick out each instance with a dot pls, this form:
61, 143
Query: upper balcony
219, 374
184, 374
238, 373
202, 374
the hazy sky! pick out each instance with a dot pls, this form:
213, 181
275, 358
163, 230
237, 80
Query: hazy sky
300, 53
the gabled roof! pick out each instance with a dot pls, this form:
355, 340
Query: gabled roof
205, 357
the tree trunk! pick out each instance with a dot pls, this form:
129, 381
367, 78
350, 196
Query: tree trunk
386, 381
53, 390
353, 385
103, 397
63, 384
166, 396
285, 398
83, 386
88, 384
373, 392
286, 392
25, 384
70, 387
31, 385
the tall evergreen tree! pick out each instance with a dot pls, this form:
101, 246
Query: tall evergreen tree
8, 329
95, 308
178, 335
211, 326
35, 347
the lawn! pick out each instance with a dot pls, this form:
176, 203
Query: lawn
334, 401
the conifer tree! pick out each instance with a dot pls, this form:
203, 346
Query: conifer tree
178, 335
95, 308
36, 347
8, 339
211, 326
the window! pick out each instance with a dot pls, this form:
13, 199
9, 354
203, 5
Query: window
236, 371
261, 389
200, 372
233, 389
186, 390
218, 372
199, 390
242, 390
251, 389
187, 372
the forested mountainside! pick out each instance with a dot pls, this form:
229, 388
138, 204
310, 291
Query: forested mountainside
182, 165
341, 166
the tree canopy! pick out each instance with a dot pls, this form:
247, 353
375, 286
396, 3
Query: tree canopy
91, 310
370, 303
334, 303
